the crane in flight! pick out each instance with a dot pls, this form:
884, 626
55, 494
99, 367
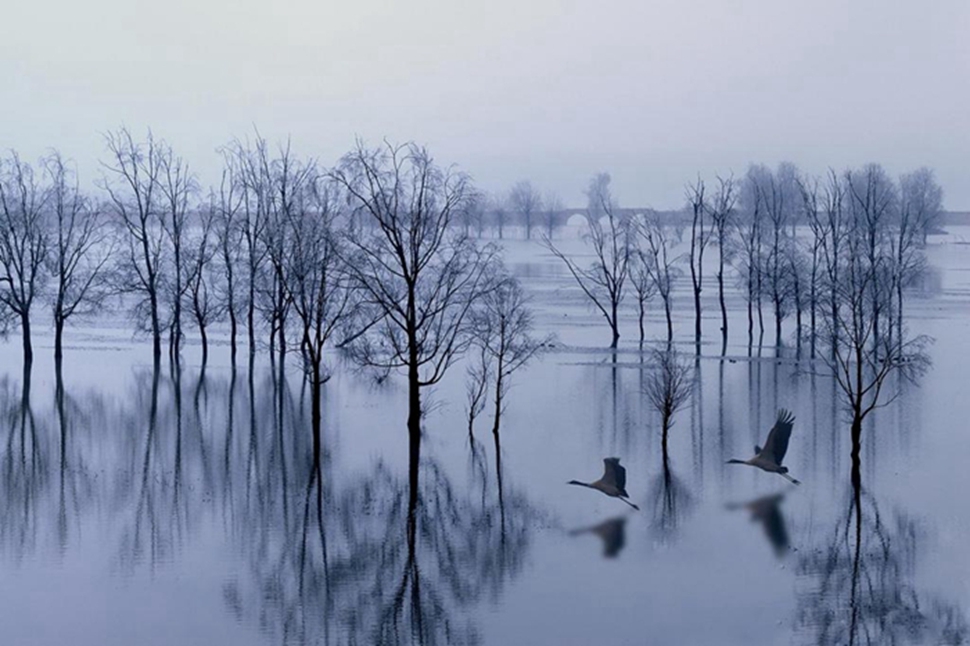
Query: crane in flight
769, 458
613, 482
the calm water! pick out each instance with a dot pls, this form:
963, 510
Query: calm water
177, 508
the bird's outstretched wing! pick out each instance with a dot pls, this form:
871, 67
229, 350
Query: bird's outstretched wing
777, 444
616, 473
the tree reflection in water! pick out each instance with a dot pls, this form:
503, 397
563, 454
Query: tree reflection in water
858, 586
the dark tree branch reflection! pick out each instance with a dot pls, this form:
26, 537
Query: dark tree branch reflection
858, 585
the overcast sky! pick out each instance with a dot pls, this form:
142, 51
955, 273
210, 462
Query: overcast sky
653, 92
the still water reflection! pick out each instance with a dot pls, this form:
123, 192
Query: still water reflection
161, 507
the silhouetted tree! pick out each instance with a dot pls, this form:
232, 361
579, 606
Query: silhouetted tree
610, 237
419, 275
80, 249
24, 240
657, 240
723, 223
526, 201
132, 182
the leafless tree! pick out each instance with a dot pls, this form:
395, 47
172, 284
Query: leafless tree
499, 205
751, 258
723, 223
502, 327
24, 240
814, 215
552, 213
81, 247
229, 241
250, 168
610, 237
873, 201
920, 206
132, 182
657, 240
668, 387
473, 214
420, 276
526, 201
643, 284
863, 355
177, 185
204, 301
699, 237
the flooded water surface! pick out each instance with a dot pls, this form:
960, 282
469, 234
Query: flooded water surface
144, 506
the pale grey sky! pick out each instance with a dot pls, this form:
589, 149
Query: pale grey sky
651, 91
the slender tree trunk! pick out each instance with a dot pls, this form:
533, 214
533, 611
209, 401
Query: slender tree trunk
205, 344
25, 328
641, 312
58, 338
614, 324
720, 297
670, 322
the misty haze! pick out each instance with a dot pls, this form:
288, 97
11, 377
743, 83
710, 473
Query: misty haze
484, 324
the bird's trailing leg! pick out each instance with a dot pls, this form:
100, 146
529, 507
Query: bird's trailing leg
630, 503
790, 479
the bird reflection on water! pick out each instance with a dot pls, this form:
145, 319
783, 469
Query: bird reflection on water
767, 511
612, 532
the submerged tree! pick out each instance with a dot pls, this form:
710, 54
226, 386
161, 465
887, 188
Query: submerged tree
723, 224
81, 247
418, 275
527, 202
668, 388
132, 182
24, 239
699, 237
656, 240
609, 236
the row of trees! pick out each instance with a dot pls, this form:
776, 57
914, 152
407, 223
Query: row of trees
366, 256
788, 237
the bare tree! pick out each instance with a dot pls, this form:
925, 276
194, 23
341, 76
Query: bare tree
668, 387
552, 213
132, 182
657, 240
250, 167
699, 237
751, 257
863, 355
229, 241
177, 184
723, 224
920, 206
80, 251
813, 215
24, 239
419, 275
500, 212
643, 284
205, 304
502, 327
319, 285
873, 201
527, 202
603, 281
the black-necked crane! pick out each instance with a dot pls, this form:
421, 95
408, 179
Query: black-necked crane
769, 458
613, 482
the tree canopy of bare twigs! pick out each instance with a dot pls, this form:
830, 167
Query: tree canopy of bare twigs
609, 236
418, 275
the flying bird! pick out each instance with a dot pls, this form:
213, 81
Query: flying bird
769, 458
613, 482
611, 532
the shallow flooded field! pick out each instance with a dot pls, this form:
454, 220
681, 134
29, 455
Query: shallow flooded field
173, 507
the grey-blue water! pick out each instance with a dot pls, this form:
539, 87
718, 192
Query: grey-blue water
143, 507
